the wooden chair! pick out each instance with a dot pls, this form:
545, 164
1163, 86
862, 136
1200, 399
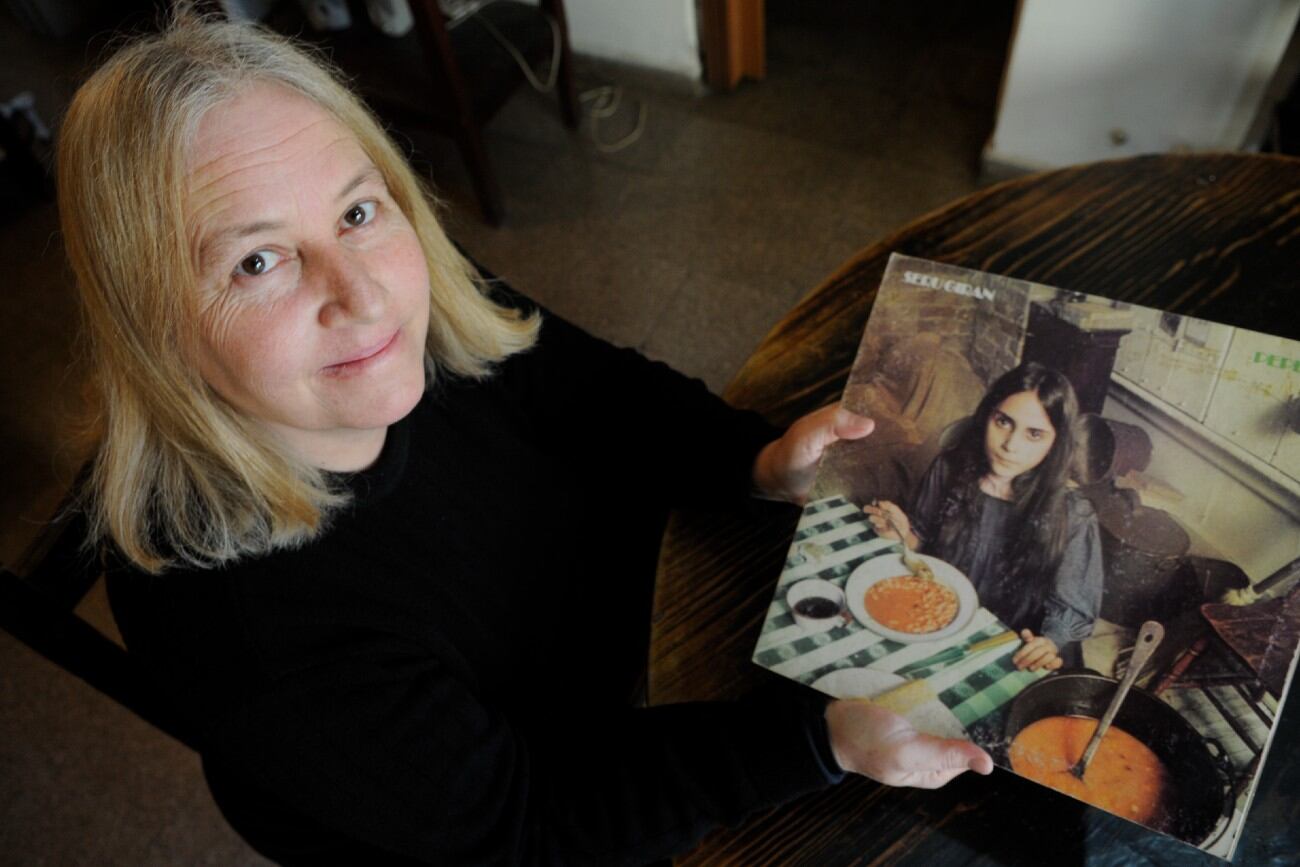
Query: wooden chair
37, 606
452, 78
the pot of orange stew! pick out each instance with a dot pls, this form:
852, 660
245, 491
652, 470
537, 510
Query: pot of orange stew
1156, 770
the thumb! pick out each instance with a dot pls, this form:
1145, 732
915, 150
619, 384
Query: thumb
1026, 635
814, 432
848, 425
955, 754
973, 758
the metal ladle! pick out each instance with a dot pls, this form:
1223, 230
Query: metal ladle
1149, 638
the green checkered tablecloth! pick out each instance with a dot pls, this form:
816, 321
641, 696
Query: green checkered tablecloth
834, 538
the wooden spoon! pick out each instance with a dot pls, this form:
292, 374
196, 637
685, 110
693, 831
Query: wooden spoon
1149, 638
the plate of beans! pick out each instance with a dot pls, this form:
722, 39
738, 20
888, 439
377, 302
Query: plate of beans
889, 600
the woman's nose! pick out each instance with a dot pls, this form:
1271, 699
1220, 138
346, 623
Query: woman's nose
351, 294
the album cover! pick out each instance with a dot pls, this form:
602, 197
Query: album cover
1062, 492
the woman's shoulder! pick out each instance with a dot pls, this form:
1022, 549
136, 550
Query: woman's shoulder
219, 600
181, 622
180, 591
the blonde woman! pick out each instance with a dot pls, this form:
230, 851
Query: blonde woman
386, 533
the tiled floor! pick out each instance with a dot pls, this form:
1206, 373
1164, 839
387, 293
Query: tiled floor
690, 245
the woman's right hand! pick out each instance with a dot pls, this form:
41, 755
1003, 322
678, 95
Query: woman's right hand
884, 746
1038, 651
881, 513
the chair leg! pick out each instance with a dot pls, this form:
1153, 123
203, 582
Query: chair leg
474, 152
565, 86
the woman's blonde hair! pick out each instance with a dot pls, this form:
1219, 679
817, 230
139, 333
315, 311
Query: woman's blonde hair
179, 476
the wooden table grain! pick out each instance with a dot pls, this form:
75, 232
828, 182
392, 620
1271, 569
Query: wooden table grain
1215, 236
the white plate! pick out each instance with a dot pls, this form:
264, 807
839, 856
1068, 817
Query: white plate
857, 682
930, 717
891, 566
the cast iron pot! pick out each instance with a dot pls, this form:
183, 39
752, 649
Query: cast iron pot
1199, 771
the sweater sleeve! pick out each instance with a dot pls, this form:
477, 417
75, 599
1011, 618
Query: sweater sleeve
1074, 601
615, 413
390, 748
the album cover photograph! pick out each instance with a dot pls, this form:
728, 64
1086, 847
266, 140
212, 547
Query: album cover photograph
1072, 537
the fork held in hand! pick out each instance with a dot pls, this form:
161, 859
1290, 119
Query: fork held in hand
914, 564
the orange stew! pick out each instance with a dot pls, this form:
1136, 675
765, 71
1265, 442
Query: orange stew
1124, 776
910, 604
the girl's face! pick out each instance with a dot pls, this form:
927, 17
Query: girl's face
1018, 435
314, 293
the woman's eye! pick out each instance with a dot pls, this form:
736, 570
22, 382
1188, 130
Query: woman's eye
1035, 434
256, 264
359, 214
1001, 420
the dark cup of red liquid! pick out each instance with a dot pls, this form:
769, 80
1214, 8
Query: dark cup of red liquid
817, 604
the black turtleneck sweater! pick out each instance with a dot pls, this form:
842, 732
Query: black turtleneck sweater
442, 676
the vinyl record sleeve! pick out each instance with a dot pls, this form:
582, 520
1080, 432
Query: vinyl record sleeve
1068, 468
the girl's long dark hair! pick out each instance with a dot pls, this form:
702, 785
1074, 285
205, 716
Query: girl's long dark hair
1037, 532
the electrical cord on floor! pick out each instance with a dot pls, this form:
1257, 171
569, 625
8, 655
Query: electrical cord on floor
552, 74
605, 101
602, 103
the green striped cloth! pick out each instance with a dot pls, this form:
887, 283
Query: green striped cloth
834, 538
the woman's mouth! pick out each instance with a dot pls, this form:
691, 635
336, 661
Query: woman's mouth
364, 358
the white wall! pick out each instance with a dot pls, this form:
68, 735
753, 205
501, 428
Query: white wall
660, 34
1172, 74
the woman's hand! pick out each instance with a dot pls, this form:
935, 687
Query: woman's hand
1039, 652
785, 469
880, 510
884, 746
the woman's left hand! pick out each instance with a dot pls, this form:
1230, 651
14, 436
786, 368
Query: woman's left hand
785, 469
882, 745
1039, 652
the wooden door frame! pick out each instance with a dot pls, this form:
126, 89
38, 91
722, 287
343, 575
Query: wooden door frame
733, 37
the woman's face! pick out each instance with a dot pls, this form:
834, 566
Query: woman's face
314, 293
1018, 435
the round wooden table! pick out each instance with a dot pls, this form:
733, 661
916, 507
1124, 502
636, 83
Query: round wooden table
1216, 237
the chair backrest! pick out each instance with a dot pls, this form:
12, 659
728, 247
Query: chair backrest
38, 608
